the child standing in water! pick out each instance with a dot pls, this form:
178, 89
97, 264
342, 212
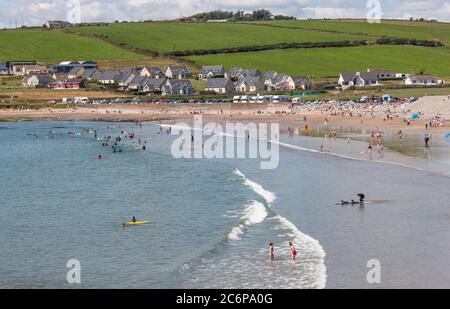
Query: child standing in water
271, 252
293, 251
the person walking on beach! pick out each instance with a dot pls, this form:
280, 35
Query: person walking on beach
293, 251
370, 152
271, 252
427, 138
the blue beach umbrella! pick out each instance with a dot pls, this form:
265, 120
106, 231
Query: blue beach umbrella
415, 117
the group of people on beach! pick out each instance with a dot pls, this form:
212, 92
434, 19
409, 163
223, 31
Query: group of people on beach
292, 248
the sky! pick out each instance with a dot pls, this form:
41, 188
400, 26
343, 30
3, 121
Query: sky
36, 12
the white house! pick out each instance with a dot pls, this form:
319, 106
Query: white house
358, 79
37, 81
177, 72
109, 77
423, 80
220, 85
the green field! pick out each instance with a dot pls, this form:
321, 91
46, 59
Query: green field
327, 62
46, 46
165, 37
398, 29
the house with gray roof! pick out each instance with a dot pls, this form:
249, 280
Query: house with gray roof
212, 71
220, 85
109, 77
274, 81
302, 82
76, 72
136, 83
91, 74
178, 87
125, 78
152, 85
37, 81
177, 72
358, 79
233, 73
250, 84
152, 72
422, 80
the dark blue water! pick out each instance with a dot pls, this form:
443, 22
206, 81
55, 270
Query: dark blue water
211, 220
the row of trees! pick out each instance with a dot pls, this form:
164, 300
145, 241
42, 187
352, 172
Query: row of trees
238, 16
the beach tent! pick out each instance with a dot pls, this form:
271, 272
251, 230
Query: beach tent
415, 117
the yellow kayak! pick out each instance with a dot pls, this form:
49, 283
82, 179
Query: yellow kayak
138, 223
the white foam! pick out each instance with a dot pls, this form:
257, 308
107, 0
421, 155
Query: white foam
268, 196
254, 213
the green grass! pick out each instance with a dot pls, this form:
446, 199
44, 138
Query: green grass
399, 29
165, 37
46, 46
329, 62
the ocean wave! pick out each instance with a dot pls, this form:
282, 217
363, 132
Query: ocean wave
312, 256
254, 213
268, 196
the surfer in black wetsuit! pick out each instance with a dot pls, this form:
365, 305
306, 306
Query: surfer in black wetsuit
134, 220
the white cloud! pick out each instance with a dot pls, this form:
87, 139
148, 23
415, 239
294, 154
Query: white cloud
35, 12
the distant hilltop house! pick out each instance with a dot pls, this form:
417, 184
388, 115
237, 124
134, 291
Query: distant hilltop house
358, 79
56, 24
212, 71
67, 66
177, 72
220, 85
423, 80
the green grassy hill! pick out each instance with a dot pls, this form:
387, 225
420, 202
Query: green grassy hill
51, 46
164, 37
122, 42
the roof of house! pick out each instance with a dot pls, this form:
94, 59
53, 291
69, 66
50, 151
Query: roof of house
109, 75
42, 79
348, 76
154, 70
215, 69
155, 83
250, 73
217, 82
3, 67
90, 73
178, 69
369, 75
301, 79
75, 70
180, 83
251, 81
137, 81
233, 72
124, 77
421, 77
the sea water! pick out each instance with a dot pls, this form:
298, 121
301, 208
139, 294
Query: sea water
212, 220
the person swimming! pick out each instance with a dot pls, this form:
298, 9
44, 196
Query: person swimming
362, 197
134, 220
